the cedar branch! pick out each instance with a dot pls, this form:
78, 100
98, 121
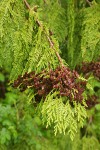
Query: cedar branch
49, 39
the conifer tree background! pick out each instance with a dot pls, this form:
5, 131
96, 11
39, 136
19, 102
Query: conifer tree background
49, 74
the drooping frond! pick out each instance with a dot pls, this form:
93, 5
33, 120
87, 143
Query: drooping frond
83, 40
63, 116
26, 45
90, 33
11, 24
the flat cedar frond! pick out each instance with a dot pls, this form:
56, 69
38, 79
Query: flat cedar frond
25, 45
90, 33
63, 116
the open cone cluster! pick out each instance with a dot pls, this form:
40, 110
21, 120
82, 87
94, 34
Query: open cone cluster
87, 69
92, 101
92, 67
61, 79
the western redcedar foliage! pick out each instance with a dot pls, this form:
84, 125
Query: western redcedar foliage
39, 36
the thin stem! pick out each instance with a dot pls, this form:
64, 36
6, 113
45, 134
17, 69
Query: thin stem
44, 1
27, 4
52, 46
89, 3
